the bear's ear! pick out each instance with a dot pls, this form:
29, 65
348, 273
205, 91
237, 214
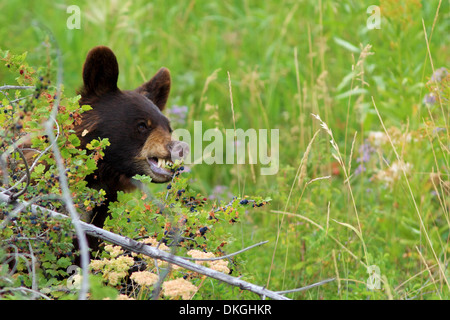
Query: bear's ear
100, 71
158, 88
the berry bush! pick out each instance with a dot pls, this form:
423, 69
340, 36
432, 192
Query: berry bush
36, 251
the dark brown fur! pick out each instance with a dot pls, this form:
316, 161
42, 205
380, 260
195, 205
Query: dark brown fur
131, 120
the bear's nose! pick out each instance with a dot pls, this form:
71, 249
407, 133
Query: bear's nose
178, 150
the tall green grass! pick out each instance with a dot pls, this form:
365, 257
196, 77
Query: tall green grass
286, 60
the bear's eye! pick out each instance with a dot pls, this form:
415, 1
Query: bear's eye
142, 127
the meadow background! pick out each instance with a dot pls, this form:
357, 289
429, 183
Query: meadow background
337, 207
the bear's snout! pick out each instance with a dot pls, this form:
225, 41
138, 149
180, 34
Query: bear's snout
178, 150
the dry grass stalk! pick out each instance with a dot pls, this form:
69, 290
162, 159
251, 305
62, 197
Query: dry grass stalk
339, 159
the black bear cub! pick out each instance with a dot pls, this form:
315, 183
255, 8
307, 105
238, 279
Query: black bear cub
139, 134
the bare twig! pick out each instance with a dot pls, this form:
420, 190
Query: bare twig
4, 163
41, 153
34, 292
4, 171
34, 286
228, 255
307, 287
27, 175
7, 87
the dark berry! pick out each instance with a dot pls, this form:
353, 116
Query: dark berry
203, 230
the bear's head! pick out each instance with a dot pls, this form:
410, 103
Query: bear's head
139, 134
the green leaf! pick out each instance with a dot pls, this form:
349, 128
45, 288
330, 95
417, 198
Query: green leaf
352, 92
143, 178
99, 291
90, 164
65, 154
39, 169
347, 45
73, 139
350, 227
86, 107
64, 262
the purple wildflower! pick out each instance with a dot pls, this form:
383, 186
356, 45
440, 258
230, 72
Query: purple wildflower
178, 114
429, 99
365, 152
221, 192
437, 130
439, 74
360, 169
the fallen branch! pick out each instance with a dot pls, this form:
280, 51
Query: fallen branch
139, 247
228, 255
34, 292
7, 87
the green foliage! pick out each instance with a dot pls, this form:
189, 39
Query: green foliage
178, 209
179, 220
256, 42
32, 236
